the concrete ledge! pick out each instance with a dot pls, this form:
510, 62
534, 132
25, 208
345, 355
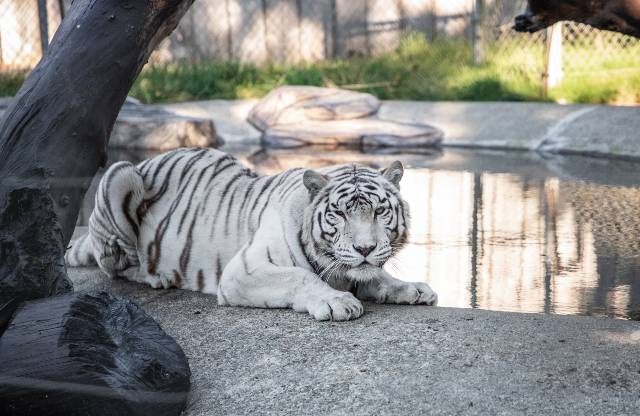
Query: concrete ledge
594, 130
395, 360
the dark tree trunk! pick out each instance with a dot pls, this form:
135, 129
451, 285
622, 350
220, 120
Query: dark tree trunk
79, 353
54, 135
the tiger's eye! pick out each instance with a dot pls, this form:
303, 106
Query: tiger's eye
340, 213
380, 211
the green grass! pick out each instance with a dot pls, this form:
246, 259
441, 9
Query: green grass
618, 88
416, 70
10, 83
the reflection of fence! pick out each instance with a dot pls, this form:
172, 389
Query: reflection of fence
291, 31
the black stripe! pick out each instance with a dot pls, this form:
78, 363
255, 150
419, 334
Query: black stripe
191, 195
125, 209
200, 280
230, 211
177, 279
158, 167
303, 247
212, 188
295, 181
163, 227
163, 188
190, 163
225, 158
269, 256
218, 269
221, 199
270, 194
240, 215
186, 251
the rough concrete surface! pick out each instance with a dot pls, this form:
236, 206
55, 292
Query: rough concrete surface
395, 360
596, 130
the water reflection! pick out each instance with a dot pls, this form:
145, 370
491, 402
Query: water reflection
509, 242
508, 231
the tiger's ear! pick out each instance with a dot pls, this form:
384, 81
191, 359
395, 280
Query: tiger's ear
314, 182
394, 173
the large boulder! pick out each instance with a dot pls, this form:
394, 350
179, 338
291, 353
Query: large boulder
295, 104
367, 132
293, 116
141, 126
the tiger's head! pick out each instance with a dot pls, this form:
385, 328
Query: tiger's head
356, 220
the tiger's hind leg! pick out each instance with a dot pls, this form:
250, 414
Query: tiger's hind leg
116, 262
114, 224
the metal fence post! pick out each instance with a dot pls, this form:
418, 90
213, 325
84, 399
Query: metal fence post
334, 30
61, 7
44, 25
477, 21
553, 60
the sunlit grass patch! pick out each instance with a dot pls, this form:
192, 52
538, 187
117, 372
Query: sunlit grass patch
416, 70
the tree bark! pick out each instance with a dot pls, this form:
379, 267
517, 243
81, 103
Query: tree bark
79, 353
54, 135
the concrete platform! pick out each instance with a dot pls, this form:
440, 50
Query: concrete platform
395, 360
404, 360
595, 130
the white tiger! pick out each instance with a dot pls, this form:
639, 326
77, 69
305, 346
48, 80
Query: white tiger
196, 219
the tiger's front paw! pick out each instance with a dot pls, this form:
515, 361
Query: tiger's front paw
427, 295
338, 307
412, 293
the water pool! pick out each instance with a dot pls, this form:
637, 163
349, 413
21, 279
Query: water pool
503, 231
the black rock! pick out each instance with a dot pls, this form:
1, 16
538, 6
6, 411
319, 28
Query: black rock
89, 354
31, 248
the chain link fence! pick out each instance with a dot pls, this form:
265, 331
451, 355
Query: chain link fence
579, 52
20, 46
496, 39
585, 49
26, 26
294, 31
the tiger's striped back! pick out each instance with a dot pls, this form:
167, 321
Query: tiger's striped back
199, 207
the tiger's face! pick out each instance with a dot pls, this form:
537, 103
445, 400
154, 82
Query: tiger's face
356, 221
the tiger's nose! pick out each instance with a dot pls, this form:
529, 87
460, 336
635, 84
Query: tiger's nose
366, 250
